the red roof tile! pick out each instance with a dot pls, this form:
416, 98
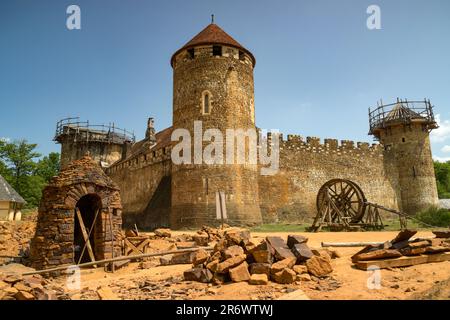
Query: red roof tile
212, 34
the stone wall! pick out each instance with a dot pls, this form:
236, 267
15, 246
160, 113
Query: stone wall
144, 181
305, 166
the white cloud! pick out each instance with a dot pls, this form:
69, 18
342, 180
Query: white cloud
5, 139
445, 149
441, 159
443, 132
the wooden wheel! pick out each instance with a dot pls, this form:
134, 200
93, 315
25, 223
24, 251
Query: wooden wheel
340, 201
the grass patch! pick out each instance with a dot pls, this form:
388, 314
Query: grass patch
435, 217
280, 227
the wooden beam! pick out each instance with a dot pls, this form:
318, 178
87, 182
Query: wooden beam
85, 236
403, 261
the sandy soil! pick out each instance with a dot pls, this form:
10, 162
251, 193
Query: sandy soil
427, 281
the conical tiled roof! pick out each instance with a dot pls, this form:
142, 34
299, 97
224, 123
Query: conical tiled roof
213, 34
7, 193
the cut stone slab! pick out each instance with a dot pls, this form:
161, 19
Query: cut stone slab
199, 257
198, 274
230, 263
240, 273
302, 252
319, 266
259, 279
262, 253
284, 276
283, 264
233, 251
279, 248
295, 239
260, 268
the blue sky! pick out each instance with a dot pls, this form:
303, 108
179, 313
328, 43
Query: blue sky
318, 66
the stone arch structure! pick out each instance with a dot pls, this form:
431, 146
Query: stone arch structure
81, 189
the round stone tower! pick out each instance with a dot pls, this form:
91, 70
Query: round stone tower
105, 144
403, 129
213, 87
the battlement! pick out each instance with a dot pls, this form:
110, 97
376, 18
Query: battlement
297, 142
141, 160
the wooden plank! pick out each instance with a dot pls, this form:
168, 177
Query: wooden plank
85, 236
403, 261
131, 247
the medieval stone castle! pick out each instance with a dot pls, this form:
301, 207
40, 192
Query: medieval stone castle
213, 82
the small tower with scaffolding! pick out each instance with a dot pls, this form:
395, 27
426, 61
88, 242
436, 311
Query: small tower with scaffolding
104, 143
403, 129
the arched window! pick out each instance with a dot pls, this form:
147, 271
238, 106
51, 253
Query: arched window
206, 102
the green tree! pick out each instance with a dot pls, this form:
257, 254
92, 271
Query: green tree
18, 164
18, 156
442, 172
48, 166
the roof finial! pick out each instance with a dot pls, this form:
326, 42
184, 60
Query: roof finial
212, 18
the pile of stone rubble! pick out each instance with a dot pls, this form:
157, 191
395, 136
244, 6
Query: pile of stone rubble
15, 239
16, 287
237, 258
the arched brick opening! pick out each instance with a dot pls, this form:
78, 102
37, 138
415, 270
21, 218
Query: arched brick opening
82, 186
88, 207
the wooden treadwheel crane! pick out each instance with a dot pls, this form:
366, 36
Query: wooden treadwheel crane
342, 205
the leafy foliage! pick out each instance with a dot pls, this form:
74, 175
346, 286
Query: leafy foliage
19, 167
435, 216
442, 171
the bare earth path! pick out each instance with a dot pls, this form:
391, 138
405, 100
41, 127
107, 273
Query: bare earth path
165, 282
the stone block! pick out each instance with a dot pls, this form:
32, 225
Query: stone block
279, 248
319, 266
198, 274
302, 252
259, 279
285, 276
295, 239
260, 268
240, 273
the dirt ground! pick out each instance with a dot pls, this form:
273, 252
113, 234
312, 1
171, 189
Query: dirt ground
426, 281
